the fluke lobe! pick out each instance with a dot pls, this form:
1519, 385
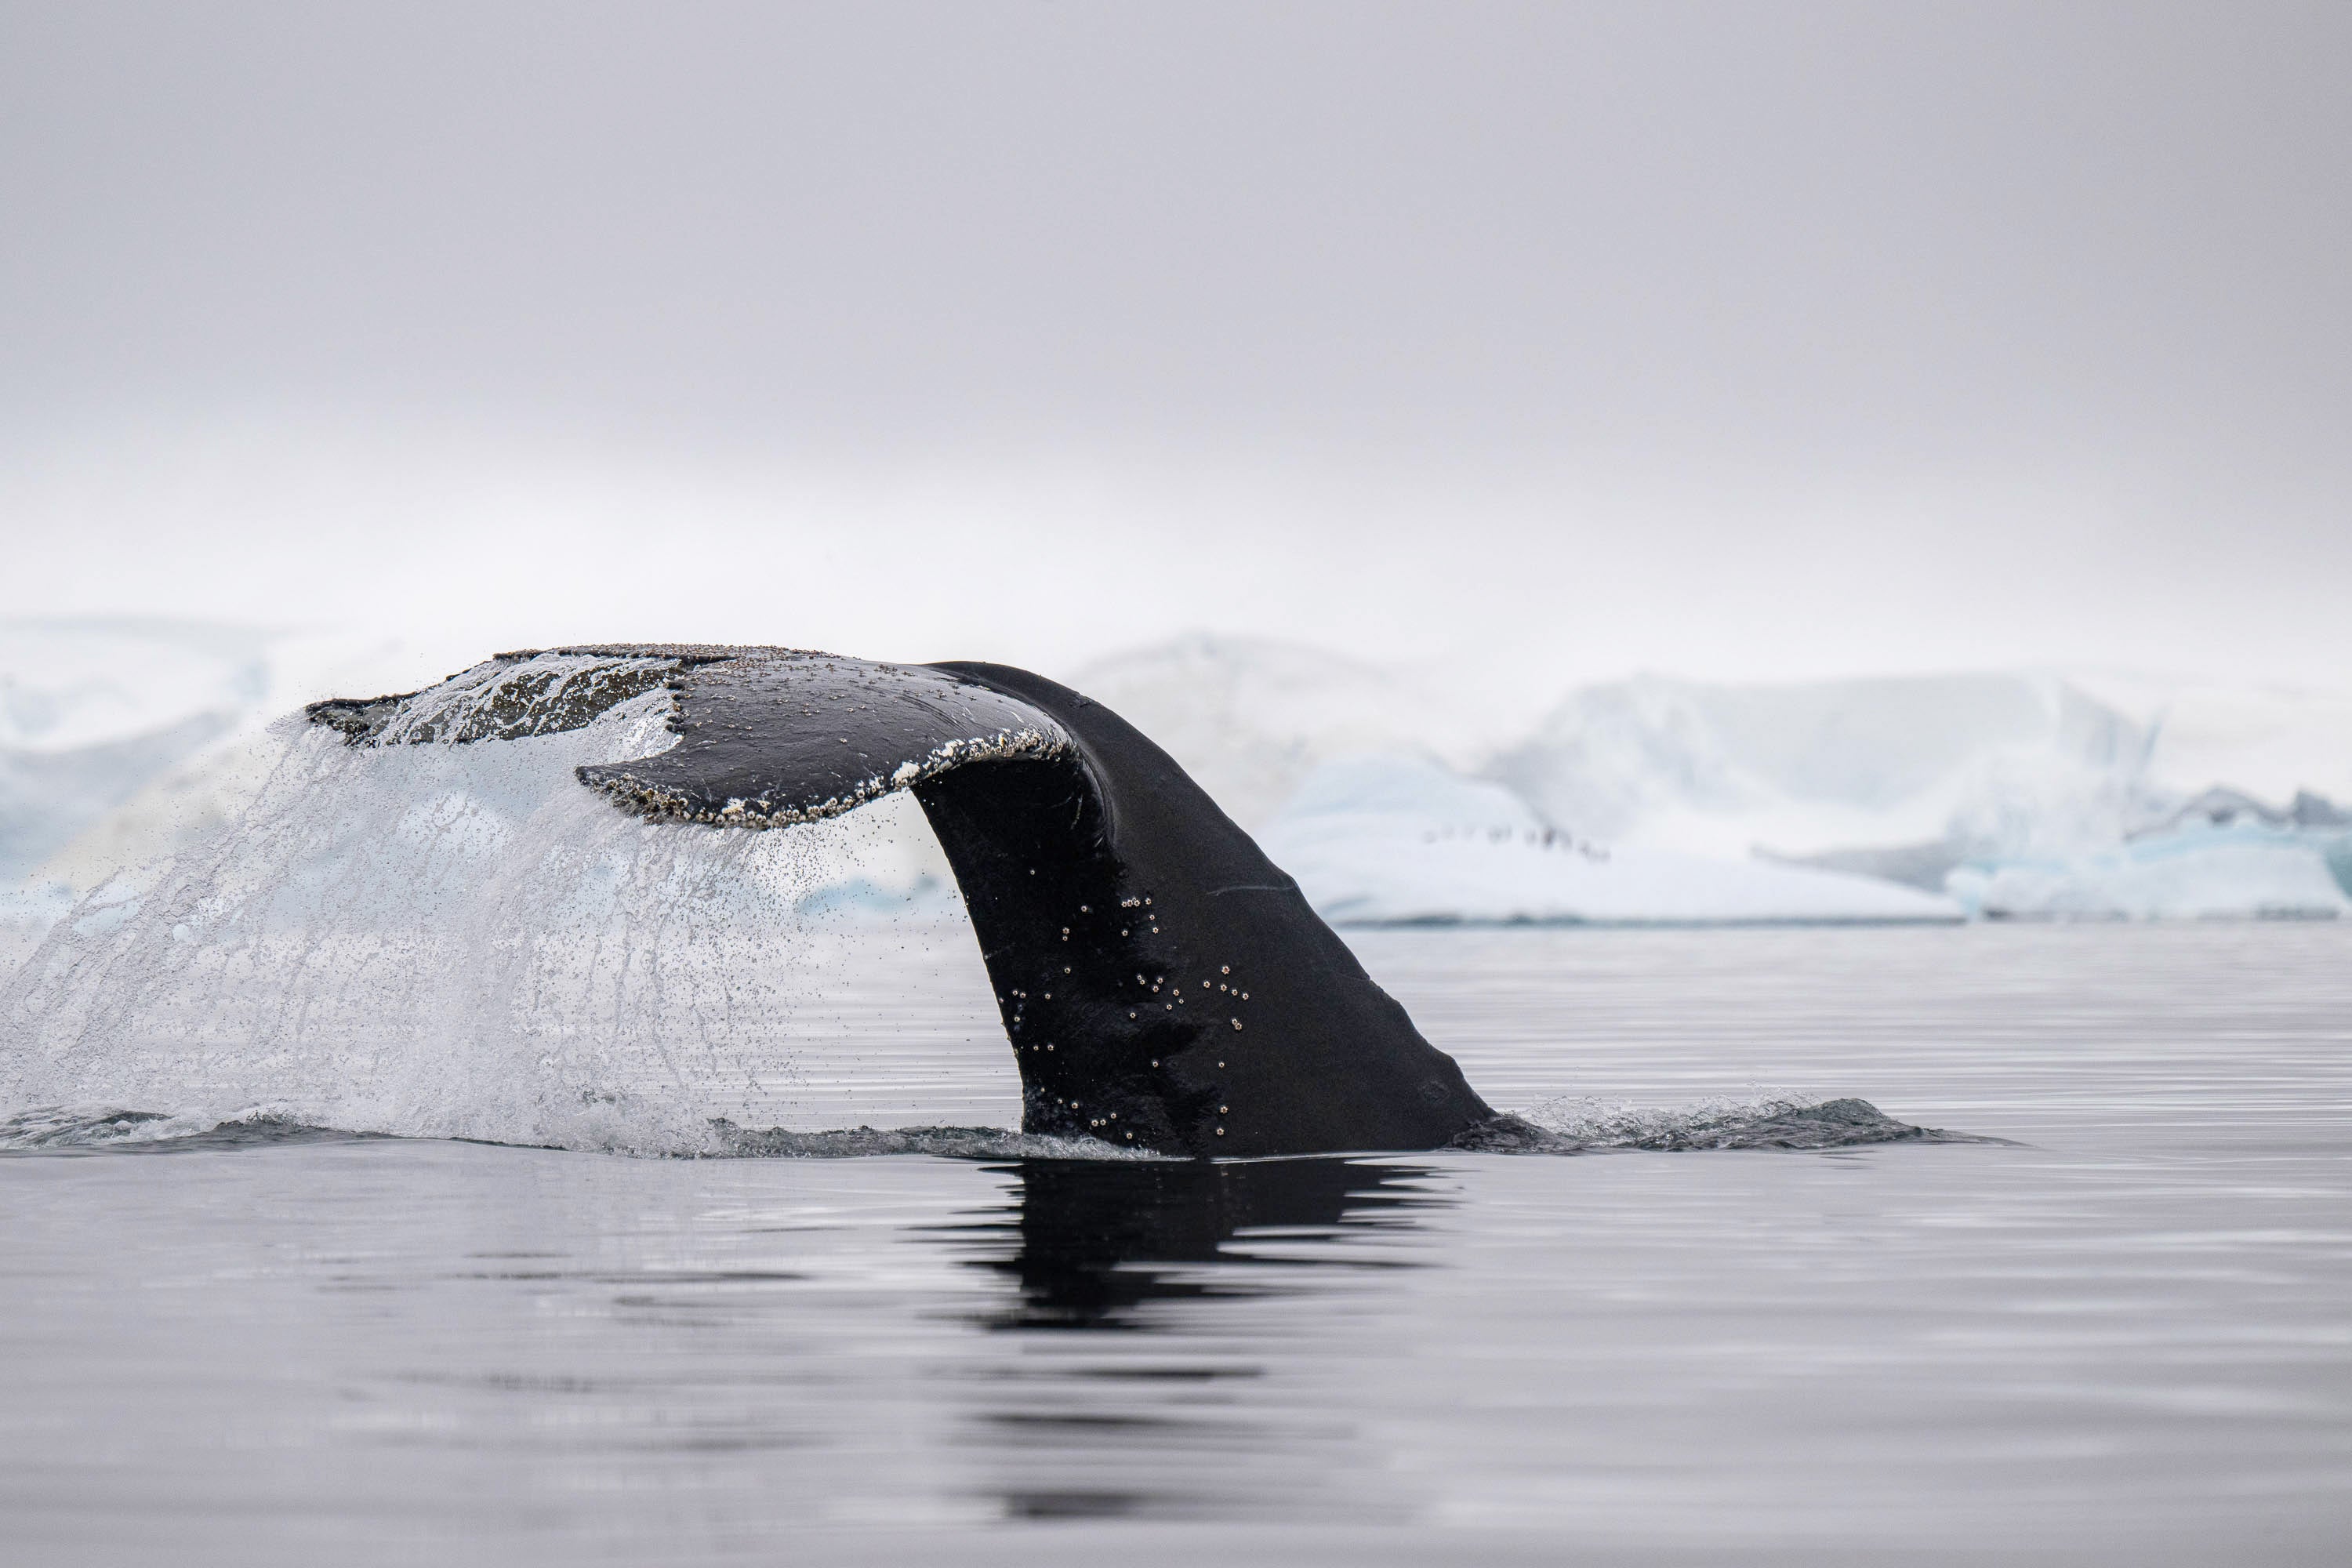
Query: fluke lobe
1164, 986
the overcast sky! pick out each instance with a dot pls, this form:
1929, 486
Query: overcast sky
1748, 341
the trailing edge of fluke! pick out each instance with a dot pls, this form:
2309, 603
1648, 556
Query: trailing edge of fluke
1163, 985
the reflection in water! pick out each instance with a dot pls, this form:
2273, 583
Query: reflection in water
1095, 1241
1182, 1411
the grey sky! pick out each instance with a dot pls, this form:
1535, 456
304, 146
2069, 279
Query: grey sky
1745, 338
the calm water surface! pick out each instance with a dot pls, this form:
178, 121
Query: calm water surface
2126, 1336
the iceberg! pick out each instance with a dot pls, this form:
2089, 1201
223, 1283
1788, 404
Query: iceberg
2027, 794
1401, 840
1400, 793
2224, 855
2017, 796
1813, 768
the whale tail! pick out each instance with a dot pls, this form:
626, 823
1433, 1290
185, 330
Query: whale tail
1163, 985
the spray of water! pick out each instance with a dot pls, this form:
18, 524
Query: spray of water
444, 935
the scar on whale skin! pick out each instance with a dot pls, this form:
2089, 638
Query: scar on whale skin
1164, 986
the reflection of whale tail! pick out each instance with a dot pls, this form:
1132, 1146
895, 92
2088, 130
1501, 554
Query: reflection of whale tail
1092, 1243
1164, 986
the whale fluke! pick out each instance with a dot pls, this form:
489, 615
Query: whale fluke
1163, 985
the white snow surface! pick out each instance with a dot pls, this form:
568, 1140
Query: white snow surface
2197, 872
1805, 768
2029, 795
1386, 839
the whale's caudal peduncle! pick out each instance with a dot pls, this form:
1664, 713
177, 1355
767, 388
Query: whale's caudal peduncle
1163, 985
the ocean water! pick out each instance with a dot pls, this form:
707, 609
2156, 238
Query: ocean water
2122, 1334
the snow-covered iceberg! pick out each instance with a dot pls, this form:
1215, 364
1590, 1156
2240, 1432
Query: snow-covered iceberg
2024, 794
1386, 839
2224, 855
1809, 768
2019, 796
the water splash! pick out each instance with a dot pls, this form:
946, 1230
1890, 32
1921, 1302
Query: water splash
1767, 1119
62, 1130
1712, 1125
87, 1129
446, 938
